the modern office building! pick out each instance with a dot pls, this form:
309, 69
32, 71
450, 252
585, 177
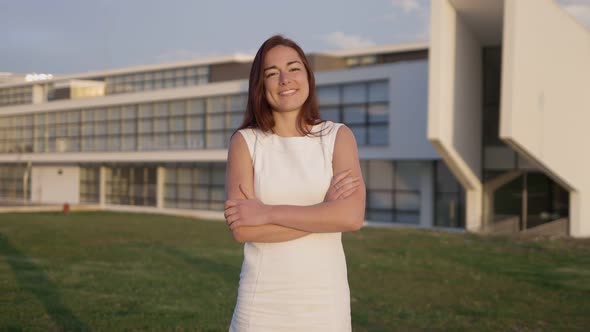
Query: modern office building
509, 108
155, 138
448, 133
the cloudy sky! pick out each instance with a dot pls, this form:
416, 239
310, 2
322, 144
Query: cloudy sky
75, 36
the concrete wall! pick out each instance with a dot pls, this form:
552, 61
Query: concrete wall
39, 94
55, 184
545, 107
124, 156
229, 71
409, 111
455, 102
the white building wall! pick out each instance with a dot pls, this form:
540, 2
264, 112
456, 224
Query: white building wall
102, 186
55, 184
160, 187
455, 102
409, 111
545, 108
39, 94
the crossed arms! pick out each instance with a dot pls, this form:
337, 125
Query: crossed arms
250, 220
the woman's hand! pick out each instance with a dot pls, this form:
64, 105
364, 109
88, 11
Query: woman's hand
342, 186
246, 212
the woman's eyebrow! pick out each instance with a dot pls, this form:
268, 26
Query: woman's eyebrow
288, 64
271, 67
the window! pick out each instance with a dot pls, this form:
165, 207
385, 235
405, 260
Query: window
195, 186
11, 182
196, 123
155, 80
16, 95
363, 107
393, 190
131, 185
449, 198
89, 184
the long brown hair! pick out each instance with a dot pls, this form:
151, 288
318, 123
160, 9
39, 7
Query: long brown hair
258, 111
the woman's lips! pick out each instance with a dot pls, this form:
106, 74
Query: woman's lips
287, 93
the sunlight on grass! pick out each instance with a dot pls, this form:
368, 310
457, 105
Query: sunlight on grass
118, 271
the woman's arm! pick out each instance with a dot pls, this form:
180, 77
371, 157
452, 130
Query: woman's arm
334, 216
240, 171
268, 233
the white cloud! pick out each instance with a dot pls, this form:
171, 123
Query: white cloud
407, 6
341, 40
406, 9
581, 11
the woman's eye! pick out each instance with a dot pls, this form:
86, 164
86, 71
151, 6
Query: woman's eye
270, 75
295, 69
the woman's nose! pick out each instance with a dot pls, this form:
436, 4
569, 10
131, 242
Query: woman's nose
284, 78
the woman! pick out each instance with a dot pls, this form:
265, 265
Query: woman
285, 204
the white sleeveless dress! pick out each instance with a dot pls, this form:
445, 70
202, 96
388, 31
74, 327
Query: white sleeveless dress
302, 284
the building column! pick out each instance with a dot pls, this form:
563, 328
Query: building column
39, 94
578, 221
26, 181
160, 186
427, 195
473, 210
102, 186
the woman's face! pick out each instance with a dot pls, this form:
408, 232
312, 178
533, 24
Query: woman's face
285, 80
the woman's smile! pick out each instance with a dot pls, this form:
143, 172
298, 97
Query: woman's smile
288, 93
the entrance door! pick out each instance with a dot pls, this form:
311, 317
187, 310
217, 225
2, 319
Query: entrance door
55, 184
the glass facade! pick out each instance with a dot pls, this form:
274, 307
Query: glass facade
114, 84
16, 95
449, 198
388, 57
89, 184
131, 185
157, 79
185, 124
364, 107
364, 60
12, 185
16, 134
393, 190
79, 92
197, 186
201, 123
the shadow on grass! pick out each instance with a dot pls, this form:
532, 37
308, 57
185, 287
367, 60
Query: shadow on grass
222, 270
33, 279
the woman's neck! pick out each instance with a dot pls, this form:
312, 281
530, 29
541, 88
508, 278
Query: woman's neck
285, 124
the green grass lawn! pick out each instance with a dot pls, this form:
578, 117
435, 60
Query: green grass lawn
136, 272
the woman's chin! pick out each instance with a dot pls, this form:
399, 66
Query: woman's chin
287, 109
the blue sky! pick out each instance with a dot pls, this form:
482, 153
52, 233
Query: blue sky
67, 36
